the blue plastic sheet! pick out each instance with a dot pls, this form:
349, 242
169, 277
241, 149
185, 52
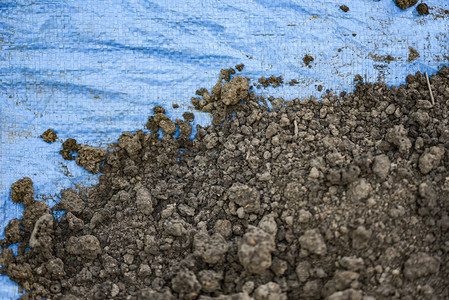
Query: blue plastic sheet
93, 69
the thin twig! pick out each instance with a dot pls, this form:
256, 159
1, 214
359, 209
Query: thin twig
296, 128
430, 90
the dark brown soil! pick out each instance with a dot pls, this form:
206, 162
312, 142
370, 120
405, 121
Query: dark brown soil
49, 136
404, 4
422, 9
346, 198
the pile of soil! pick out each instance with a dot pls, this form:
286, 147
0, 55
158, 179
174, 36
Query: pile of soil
346, 198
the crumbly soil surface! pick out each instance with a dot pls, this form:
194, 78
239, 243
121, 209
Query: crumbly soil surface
346, 198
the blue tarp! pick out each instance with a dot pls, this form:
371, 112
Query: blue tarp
93, 69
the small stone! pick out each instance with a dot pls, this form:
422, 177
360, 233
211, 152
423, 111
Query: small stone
420, 265
381, 166
404, 4
210, 248
254, 250
303, 271
22, 191
279, 266
269, 291
344, 8
430, 159
304, 216
128, 259
71, 201
49, 136
210, 280
312, 242
145, 270
423, 9
235, 90
360, 237
245, 196
144, 201
352, 263
86, 246
186, 284
359, 190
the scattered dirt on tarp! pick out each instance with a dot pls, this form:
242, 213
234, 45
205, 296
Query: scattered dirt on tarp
383, 58
346, 198
308, 59
49, 136
404, 4
272, 81
413, 54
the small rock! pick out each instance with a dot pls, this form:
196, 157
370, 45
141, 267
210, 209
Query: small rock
210, 280
359, 190
398, 137
86, 246
254, 250
144, 270
430, 159
360, 237
144, 201
211, 249
381, 166
423, 9
312, 242
269, 291
49, 136
186, 284
404, 4
420, 265
71, 201
245, 196
303, 271
235, 90
352, 263
344, 8
90, 158
22, 191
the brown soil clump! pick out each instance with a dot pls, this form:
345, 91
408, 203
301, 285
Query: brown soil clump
404, 4
49, 136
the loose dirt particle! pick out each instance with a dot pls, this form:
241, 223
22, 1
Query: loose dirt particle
422, 9
307, 59
49, 136
344, 8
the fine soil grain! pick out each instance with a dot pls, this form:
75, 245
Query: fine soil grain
346, 198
